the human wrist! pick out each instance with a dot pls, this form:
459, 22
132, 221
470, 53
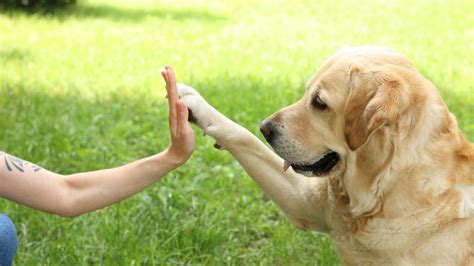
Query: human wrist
175, 159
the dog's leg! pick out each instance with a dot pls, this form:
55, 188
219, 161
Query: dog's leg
302, 199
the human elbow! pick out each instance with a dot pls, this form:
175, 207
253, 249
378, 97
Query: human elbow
67, 206
68, 213
67, 210
69, 202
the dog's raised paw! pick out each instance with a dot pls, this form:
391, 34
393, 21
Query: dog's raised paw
185, 90
200, 112
197, 106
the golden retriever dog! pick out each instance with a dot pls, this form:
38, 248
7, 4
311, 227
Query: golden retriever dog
370, 155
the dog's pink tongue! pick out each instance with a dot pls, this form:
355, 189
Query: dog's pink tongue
286, 165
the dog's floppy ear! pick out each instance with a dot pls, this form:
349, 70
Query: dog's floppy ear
374, 105
374, 102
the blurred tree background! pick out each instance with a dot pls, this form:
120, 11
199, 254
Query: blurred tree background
35, 5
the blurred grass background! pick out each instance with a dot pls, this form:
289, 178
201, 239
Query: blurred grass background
80, 90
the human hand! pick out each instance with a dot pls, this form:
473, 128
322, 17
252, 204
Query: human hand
182, 135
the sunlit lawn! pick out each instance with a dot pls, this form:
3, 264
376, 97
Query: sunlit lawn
80, 90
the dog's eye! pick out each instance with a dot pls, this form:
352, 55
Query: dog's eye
318, 103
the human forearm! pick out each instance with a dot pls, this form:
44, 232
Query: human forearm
94, 190
72, 195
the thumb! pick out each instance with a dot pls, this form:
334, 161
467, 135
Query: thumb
182, 115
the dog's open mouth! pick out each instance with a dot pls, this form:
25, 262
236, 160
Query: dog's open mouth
323, 165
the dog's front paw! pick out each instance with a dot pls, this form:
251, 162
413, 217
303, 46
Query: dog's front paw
185, 90
187, 93
200, 112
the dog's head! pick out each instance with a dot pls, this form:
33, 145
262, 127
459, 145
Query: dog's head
346, 121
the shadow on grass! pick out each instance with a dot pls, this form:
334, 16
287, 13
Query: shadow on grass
114, 13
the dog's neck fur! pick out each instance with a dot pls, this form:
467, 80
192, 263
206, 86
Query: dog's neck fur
439, 160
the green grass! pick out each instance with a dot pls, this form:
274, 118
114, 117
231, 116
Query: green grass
80, 90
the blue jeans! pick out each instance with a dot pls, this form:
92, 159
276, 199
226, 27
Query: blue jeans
8, 241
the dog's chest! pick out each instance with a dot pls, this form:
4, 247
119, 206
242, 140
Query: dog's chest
391, 242
374, 236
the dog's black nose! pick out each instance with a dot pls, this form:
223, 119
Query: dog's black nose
267, 130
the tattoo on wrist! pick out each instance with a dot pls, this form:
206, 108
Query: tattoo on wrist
14, 163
